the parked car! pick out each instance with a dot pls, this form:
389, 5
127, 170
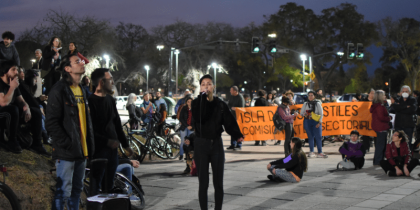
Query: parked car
346, 97
139, 101
121, 102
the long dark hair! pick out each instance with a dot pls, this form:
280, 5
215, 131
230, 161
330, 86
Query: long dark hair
29, 80
50, 43
75, 49
297, 149
402, 135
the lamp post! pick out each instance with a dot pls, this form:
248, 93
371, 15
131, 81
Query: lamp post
176, 69
106, 57
214, 65
303, 58
147, 70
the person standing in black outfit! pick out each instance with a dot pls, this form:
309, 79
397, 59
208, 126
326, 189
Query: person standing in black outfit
405, 113
52, 58
107, 129
261, 101
236, 100
210, 115
367, 139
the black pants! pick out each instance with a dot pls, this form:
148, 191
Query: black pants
366, 142
209, 151
388, 167
112, 156
36, 125
9, 119
288, 129
358, 162
50, 79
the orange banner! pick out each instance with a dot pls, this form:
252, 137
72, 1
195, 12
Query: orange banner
256, 123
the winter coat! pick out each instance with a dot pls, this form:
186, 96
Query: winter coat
350, 150
9, 53
404, 115
261, 102
183, 118
380, 117
391, 152
48, 54
62, 123
318, 108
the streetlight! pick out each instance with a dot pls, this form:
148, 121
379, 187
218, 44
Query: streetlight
160, 47
245, 82
303, 58
107, 60
176, 69
33, 61
147, 70
214, 65
273, 35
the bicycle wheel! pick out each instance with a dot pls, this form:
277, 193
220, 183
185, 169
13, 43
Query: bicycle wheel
172, 147
158, 145
122, 185
133, 145
8, 199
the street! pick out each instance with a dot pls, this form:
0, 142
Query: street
246, 185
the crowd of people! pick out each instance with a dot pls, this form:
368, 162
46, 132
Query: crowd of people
77, 115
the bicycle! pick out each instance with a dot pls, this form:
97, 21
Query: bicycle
121, 186
132, 142
153, 143
172, 138
8, 199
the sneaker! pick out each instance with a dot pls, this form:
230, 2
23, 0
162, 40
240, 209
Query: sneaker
257, 143
181, 157
277, 143
271, 178
322, 155
311, 154
264, 143
238, 147
231, 147
187, 170
12, 146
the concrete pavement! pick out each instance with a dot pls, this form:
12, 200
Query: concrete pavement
247, 187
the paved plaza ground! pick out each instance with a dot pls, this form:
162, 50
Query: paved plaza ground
246, 185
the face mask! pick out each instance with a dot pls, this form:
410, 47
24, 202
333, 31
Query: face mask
405, 95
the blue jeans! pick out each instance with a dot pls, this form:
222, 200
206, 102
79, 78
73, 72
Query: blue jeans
70, 175
184, 133
127, 170
313, 133
380, 145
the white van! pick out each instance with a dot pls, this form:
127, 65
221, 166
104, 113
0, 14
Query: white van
121, 102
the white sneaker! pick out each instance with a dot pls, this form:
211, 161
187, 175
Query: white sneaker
311, 154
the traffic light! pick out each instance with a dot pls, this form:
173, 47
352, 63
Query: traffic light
255, 48
360, 51
351, 51
272, 48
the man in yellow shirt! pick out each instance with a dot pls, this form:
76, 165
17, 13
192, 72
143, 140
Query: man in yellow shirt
69, 124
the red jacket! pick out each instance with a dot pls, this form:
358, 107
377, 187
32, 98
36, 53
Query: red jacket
380, 117
391, 152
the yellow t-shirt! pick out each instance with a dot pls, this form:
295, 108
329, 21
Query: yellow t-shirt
78, 94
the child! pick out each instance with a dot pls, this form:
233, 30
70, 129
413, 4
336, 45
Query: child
291, 168
188, 148
191, 164
353, 153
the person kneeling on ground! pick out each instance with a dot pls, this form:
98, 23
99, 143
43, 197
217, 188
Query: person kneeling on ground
399, 161
290, 168
353, 153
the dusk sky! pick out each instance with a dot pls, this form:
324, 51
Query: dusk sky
18, 15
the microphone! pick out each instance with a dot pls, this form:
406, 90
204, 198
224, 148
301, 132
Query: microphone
204, 92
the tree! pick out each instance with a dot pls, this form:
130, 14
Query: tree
302, 30
400, 41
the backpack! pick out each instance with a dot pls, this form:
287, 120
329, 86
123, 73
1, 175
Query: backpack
279, 123
178, 114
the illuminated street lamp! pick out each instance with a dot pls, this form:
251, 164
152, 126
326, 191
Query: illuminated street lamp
33, 61
214, 65
176, 52
106, 57
160, 47
147, 70
303, 58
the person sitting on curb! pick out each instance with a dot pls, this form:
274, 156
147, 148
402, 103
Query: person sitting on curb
398, 155
353, 153
290, 168
188, 148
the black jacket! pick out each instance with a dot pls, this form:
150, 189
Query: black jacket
9, 53
38, 64
134, 113
261, 102
213, 116
404, 115
183, 118
291, 163
62, 123
27, 95
47, 55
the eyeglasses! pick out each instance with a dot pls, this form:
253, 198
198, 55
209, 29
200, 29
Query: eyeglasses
80, 61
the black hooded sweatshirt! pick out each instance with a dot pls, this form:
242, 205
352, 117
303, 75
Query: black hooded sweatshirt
213, 117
